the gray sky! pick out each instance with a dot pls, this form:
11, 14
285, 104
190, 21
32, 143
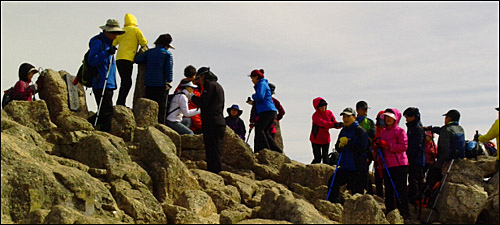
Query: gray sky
432, 55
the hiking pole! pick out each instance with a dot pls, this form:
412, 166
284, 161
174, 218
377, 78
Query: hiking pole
334, 174
103, 89
439, 192
477, 143
387, 170
249, 132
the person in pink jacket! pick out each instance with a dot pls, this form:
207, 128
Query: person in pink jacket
393, 143
323, 120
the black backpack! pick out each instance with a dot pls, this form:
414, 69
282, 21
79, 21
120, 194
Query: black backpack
86, 72
7, 96
170, 98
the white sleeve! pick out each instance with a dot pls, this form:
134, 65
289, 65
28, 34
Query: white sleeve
183, 103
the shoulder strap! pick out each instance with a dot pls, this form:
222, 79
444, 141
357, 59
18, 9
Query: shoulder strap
180, 92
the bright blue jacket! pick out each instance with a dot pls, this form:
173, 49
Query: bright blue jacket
159, 66
263, 99
100, 58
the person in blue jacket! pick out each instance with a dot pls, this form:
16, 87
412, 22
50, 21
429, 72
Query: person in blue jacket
159, 72
101, 56
415, 153
266, 111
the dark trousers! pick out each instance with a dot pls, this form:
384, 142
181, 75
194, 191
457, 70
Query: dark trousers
263, 138
379, 180
353, 179
320, 152
125, 70
399, 177
415, 183
106, 110
213, 136
159, 95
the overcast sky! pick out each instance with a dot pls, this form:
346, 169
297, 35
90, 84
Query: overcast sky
432, 55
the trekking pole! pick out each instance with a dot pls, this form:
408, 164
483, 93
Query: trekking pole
334, 174
387, 170
439, 192
249, 132
103, 89
477, 144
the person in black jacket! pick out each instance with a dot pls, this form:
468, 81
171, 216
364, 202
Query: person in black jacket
415, 153
211, 103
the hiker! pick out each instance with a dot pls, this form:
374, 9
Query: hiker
159, 72
178, 113
189, 75
430, 150
322, 121
101, 56
352, 143
22, 89
127, 48
393, 144
451, 145
266, 112
369, 126
492, 133
211, 103
415, 153
234, 121
378, 165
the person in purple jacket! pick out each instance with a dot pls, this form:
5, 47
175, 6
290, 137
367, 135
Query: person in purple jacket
234, 121
393, 143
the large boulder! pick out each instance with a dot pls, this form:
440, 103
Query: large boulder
146, 112
197, 201
173, 135
269, 164
34, 114
363, 209
246, 187
68, 122
311, 176
459, 203
235, 214
180, 215
123, 123
236, 153
331, 210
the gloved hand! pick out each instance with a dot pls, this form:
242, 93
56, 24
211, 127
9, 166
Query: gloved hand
33, 88
111, 50
338, 125
343, 141
168, 86
143, 49
383, 144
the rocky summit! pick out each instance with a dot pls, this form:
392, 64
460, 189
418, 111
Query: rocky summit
57, 169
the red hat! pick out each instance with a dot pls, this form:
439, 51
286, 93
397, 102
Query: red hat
259, 73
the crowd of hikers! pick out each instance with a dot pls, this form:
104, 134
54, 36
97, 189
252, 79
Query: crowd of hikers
407, 165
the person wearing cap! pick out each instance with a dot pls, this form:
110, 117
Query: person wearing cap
266, 112
211, 103
101, 56
415, 153
159, 72
127, 48
22, 89
189, 75
369, 126
492, 133
322, 121
352, 143
179, 112
234, 121
393, 144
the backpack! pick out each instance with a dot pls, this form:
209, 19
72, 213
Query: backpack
472, 149
333, 158
86, 73
490, 148
7, 96
170, 98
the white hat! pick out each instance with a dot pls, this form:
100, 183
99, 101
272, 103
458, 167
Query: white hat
189, 84
389, 114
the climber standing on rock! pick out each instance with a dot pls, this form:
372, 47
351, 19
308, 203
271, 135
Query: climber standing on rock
322, 121
211, 103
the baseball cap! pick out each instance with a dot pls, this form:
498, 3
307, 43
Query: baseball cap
453, 114
348, 111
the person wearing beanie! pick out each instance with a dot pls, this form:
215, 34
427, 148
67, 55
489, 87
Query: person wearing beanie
22, 89
266, 112
234, 121
322, 121
159, 72
127, 48
189, 75
492, 133
415, 153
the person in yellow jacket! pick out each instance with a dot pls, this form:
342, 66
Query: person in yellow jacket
492, 133
127, 48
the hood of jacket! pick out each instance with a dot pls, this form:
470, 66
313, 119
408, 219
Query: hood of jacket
23, 71
316, 102
130, 20
398, 118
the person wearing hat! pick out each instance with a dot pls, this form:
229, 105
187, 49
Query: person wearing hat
322, 121
22, 89
415, 153
266, 111
211, 103
189, 75
393, 143
367, 124
352, 143
178, 114
101, 56
127, 48
234, 121
492, 133
159, 72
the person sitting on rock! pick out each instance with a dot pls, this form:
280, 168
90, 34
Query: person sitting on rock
234, 121
178, 114
189, 75
23, 90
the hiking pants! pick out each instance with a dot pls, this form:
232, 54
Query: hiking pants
213, 136
181, 127
263, 138
353, 179
106, 110
320, 152
125, 70
379, 180
398, 175
159, 95
415, 183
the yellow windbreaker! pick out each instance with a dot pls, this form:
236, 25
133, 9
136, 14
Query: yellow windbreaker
129, 42
492, 133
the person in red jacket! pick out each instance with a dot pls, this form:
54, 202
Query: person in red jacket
378, 165
430, 150
323, 120
23, 90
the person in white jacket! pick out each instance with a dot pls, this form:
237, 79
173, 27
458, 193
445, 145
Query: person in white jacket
179, 109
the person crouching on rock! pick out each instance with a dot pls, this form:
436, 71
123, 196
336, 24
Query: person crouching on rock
323, 120
178, 114
234, 121
23, 90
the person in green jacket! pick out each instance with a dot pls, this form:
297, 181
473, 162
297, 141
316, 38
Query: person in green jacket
127, 48
492, 133
369, 126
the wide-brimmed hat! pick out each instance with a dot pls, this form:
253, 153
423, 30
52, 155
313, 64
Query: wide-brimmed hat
112, 26
234, 107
